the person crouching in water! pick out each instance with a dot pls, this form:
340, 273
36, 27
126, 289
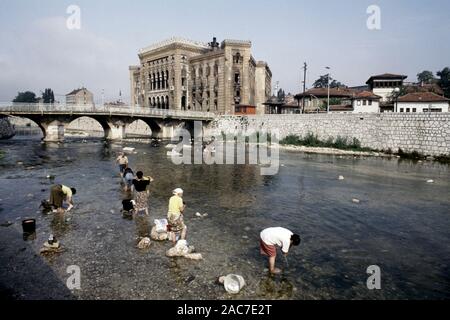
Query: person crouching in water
141, 193
60, 193
175, 216
272, 238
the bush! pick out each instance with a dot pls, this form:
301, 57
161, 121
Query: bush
312, 140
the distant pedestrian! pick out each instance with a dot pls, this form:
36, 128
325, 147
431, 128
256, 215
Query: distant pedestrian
122, 160
141, 193
272, 238
60, 193
175, 215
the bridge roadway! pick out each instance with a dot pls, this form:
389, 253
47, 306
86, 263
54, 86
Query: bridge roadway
52, 118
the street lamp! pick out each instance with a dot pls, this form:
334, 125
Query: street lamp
396, 92
328, 85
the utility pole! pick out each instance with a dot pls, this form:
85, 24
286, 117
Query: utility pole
328, 81
305, 68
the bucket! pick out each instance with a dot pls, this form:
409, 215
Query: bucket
29, 226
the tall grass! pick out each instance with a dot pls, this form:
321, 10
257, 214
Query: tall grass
312, 140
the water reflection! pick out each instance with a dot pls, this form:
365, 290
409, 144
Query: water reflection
401, 222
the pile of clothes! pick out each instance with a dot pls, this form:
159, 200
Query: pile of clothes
159, 230
182, 249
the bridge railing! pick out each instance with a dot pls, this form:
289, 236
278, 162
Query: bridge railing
45, 108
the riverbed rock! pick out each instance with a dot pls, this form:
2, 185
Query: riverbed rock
6, 224
194, 256
341, 178
144, 243
430, 181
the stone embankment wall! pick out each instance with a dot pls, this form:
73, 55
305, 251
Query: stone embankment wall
6, 129
428, 134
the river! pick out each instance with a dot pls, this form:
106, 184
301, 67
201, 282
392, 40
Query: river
401, 225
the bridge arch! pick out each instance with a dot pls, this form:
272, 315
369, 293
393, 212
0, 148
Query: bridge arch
138, 127
93, 126
28, 122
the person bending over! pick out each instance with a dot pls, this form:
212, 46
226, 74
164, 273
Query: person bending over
272, 238
60, 193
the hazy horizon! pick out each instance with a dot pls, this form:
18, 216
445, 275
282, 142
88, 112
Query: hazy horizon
38, 51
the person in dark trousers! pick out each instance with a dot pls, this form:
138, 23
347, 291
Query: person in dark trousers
128, 176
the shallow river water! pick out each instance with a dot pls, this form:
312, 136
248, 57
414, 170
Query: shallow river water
401, 225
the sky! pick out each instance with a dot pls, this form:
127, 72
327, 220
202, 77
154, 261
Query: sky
38, 51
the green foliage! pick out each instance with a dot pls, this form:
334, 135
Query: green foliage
426, 77
48, 96
322, 82
312, 140
25, 97
410, 155
444, 81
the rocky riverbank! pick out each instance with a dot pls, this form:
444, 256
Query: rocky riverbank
6, 129
333, 151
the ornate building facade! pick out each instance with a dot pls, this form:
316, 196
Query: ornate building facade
186, 75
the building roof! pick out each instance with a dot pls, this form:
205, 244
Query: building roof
273, 101
422, 97
341, 107
174, 40
386, 76
76, 91
323, 93
366, 95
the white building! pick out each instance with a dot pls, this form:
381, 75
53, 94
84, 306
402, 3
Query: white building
384, 85
366, 102
422, 102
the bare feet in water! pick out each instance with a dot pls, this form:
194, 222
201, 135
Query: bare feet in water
275, 271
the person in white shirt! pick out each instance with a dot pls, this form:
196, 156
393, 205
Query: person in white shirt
272, 238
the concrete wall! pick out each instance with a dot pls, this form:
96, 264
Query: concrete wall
425, 133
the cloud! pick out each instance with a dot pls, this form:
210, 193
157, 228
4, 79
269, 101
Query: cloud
48, 54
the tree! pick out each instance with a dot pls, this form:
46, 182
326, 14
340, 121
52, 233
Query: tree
444, 81
48, 96
322, 82
426, 77
25, 97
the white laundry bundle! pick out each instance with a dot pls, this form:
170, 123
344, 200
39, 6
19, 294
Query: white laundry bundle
158, 236
161, 225
181, 249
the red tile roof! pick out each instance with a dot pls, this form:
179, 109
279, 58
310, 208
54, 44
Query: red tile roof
341, 108
422, 97
366, 95
323, 92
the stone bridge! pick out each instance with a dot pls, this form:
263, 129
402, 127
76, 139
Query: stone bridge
53, 118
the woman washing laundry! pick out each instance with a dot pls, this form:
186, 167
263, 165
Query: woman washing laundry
141, 193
